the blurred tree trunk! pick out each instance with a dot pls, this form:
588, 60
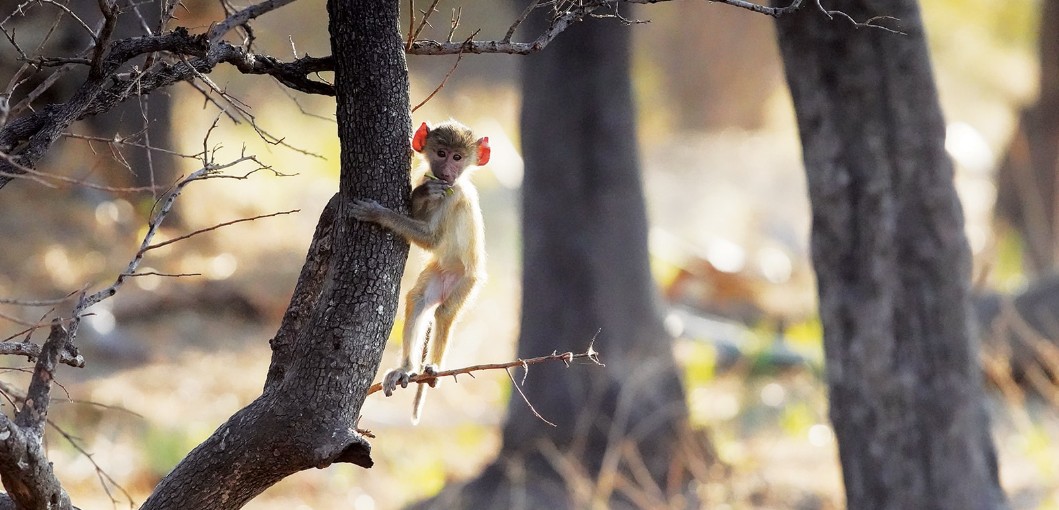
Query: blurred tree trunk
585, 269
329, 345
892, 264
1026, 180
719, 66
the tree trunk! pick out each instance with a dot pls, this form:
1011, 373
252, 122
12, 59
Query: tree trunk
328, 348
892, 264
585, 270
1026, 180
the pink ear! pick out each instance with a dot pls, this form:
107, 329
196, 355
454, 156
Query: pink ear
483, 150
419, 141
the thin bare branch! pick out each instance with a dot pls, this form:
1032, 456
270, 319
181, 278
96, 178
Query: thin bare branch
423, 23
66, 10
22, 322
411, 24
45, 178
518, 388
164, 206
459, 56
215, 227
869, 23
105, 480
558, 24
564, 14
518, 21
125, 141
567, 357
167, 275
41, 89
34, 302
454, 22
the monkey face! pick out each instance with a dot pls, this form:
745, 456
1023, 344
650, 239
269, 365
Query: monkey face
450, 148
447, 164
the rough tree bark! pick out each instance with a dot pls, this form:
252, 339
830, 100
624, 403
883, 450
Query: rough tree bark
329, 345
585, 269
892, 264
1026, 180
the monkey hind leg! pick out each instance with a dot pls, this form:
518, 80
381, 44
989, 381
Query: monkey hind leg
415, 338
446, 316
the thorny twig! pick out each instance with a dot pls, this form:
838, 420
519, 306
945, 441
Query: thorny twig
566, 357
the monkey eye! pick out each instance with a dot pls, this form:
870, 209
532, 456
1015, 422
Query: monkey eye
441, 153
456, 157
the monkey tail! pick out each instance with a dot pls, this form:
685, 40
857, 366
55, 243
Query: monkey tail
417, 404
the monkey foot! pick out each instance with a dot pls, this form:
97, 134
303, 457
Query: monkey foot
393, 378
431, 370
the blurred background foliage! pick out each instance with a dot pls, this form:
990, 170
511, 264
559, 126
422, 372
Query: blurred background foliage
170, 358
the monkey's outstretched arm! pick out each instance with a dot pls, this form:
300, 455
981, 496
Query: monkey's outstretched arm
416, 231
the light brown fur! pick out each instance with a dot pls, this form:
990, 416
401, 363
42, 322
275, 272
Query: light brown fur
447, 222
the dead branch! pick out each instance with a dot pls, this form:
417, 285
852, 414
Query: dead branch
525, 399
32, 351
567, 14
215, 227
26, 471
459, 56
27, 138
178, 56
34, 302
567, 357
423, 23
110, 20
44, 178
33, 414
105, 480
555, 27
240, 18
